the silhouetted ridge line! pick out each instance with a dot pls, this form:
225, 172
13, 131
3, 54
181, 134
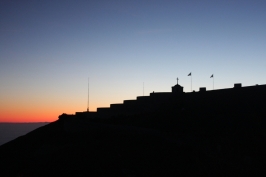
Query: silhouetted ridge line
233, 99
205, 133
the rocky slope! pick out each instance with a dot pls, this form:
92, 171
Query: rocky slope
160, 144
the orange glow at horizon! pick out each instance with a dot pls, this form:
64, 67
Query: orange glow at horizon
33, 106
26, 114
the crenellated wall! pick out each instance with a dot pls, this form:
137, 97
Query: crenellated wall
238, 98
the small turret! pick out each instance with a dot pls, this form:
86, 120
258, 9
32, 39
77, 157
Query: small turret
238, 85
177, 88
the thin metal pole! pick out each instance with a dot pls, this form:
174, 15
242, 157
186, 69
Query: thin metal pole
143, 88
88, 94
191, 82
213, 82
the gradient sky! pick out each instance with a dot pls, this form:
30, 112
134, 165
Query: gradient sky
48, 49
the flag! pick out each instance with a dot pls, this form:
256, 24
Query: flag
211, 76
189, 74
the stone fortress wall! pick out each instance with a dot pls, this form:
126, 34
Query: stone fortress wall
212, 101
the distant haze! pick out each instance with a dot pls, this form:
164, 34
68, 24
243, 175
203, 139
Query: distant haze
11, 131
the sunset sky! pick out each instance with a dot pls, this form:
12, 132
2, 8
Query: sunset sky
49, 48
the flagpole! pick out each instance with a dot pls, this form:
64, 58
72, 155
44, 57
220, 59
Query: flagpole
191, 82
143, 88
190, 74
213, 82
212, 76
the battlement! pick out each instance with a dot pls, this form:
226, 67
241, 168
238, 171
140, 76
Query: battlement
238, 97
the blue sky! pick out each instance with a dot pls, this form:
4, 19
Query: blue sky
50, 48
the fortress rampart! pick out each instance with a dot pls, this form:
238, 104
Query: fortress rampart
250, 99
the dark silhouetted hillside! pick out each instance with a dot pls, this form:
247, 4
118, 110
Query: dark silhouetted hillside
188, 138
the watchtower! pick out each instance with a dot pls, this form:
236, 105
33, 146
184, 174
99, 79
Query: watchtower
177, 88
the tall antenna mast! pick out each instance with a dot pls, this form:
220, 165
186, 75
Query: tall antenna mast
88, 94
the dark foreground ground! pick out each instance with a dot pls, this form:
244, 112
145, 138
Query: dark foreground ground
141, 145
